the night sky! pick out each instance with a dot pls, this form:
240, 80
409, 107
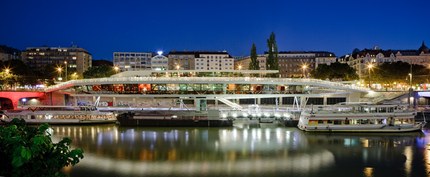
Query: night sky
103, 27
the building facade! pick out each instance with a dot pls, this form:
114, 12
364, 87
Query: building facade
159, 62
375, 56
72, 59
243, 63
181, 60
200, 60
9, 53
132, 61
301, 63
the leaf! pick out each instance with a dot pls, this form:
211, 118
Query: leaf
25, 153
17, 161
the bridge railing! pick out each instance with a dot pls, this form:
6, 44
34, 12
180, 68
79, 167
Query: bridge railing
226, 80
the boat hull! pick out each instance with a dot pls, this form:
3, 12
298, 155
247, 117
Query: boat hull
385, 129
175, 123
128, 119
64, 121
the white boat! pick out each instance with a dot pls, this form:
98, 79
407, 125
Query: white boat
360, 117
60, 115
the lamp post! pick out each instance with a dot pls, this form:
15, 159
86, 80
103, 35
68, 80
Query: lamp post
65, 70
304, 67
8, 74
74, 76
177, 68
59, 69
116, 69
410, 87
369, 67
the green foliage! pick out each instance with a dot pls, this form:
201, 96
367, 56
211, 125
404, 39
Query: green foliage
19, 73
335, 71
254, 64
29, 151
388, 73
272, 56
99, 72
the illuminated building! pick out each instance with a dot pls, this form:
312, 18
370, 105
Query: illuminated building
77, 59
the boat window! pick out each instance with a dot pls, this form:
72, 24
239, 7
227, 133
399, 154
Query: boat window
337, 122
346, 121
366, 110
320, 122
313, 122
383, 109
364, 121
329, 122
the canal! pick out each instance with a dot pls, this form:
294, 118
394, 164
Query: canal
111, 150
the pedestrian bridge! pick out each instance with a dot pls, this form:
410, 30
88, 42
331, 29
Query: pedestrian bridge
210, 80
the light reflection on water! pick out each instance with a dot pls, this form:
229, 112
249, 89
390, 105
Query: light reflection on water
118, 151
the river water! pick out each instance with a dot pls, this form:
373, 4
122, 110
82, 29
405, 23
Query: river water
111, 150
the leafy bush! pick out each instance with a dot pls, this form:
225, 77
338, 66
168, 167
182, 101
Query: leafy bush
29, 151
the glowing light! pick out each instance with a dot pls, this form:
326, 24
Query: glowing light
368, 171
234, 115
160, 52
245, 114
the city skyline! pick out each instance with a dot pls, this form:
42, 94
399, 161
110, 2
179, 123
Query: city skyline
109, 26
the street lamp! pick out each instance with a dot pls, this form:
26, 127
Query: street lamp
369, 67
177, 68
239, 67
7, 75
116, 68
65, 70
59, 69
304, 67
74, 76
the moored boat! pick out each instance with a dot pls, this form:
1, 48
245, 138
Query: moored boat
360, 117
171, 118
60, 115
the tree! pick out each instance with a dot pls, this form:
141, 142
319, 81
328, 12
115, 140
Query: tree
336, 70
29, 151
99, 72
355, 51
388, 73
23, 74
272, 56
254, 64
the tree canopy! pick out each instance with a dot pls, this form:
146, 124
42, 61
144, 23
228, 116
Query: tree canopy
254, 64
99, 71
272, 54
18, 73
388, 73
335, 70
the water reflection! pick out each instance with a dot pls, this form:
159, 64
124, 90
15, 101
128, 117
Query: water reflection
118, 151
